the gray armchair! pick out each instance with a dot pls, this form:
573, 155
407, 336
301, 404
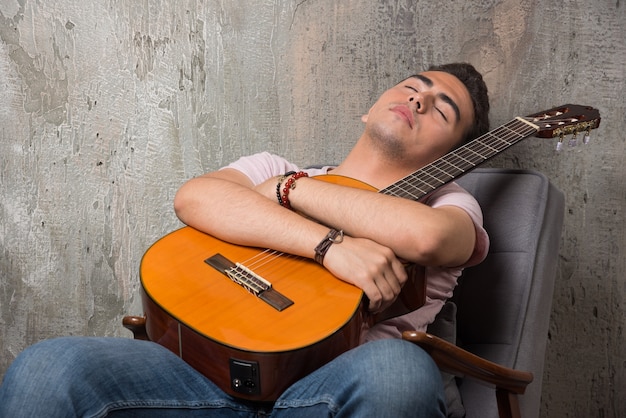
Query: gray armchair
503, 304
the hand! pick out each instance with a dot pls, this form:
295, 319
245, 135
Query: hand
370, 266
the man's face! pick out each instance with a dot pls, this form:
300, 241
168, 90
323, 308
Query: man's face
421, 118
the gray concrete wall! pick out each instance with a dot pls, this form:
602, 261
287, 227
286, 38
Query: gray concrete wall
108, 106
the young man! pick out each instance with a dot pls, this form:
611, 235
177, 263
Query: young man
253, 202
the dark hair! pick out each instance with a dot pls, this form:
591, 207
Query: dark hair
477, 89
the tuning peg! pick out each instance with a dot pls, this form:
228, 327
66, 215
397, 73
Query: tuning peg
587, 136
559, 145
573, 141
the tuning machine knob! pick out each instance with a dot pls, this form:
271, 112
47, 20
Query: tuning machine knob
587, 136
559, 144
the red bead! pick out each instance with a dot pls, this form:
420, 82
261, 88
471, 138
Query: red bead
290, 184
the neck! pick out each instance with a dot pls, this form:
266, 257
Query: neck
369, 165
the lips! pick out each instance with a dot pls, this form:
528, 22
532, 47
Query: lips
405, 112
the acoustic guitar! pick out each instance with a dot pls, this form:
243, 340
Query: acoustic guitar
254, 321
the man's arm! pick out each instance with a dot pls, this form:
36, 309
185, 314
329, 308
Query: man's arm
225, 204
443, 236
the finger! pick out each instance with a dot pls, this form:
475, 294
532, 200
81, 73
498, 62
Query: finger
394, 281
400, 271
375, 297
388, 289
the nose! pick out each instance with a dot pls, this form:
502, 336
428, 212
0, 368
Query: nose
412, 99
421, 101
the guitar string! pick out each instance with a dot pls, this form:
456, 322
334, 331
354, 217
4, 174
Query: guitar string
257, 261
260, 259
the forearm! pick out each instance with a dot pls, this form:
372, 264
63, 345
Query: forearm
414, 231
237, 213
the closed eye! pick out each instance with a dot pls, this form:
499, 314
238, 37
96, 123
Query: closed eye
443, 115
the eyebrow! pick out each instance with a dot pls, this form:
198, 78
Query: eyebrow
442, 96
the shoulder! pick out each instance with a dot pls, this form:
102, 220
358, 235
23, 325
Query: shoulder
264, 165
260, 167
454, 195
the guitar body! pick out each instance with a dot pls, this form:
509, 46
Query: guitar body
207, 319
247, 347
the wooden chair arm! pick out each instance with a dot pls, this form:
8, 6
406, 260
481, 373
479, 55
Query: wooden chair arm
137, 325
453, 359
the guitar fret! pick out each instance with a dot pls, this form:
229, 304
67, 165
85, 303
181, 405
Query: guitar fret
475, 152
435, 178
484, 144
515, 132
447, 175
402, 190
458, 169
472, 159
466, 160
497, 141
472, 156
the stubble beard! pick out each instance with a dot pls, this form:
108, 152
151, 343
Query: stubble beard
388, 143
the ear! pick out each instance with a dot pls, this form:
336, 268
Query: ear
366, 116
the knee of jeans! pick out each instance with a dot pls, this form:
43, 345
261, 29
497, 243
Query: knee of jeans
400, 363
403, 374
49, 358
45, 371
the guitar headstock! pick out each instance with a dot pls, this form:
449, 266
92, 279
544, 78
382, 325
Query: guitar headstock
565, 120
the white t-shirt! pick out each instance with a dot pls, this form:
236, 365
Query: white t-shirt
440, 281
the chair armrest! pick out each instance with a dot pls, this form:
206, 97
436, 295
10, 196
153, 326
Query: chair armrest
453, 359
136, 324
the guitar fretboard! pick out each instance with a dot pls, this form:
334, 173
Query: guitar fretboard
461, 160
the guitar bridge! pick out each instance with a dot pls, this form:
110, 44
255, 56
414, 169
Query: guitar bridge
250, 281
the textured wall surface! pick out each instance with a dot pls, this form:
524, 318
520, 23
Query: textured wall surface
108, 106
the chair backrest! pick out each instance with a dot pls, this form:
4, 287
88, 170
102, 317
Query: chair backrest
504, 303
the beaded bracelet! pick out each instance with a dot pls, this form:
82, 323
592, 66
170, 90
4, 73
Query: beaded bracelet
280, 182
333, 237
290, 184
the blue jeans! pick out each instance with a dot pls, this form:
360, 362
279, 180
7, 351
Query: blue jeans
95, 377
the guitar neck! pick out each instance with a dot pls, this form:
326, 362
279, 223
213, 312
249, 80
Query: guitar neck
461, 160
